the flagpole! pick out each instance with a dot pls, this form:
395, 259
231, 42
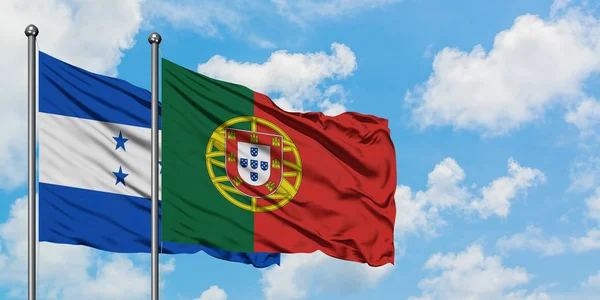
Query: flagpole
154, 39
31, 32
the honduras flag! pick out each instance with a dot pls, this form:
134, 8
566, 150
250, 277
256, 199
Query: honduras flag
94, 165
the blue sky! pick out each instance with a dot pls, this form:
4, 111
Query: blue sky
493, 111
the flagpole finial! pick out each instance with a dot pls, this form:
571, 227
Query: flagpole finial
154, 38
31, 30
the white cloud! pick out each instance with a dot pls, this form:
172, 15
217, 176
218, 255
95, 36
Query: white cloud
523, 295
298, 78
420, 211
471, 275
302, 274
209, 18
498, 91
559, 6
334, 100
90, 275
444, 189
214, 18
586, 116
415, 214
590, 242
53, 258
70, 30
213, 293
588, 291
593, 206
585, 174
261, 42
496, 196
593, 282
117, 278
167, 267
301, 11
331, 109
204, 16
532, 239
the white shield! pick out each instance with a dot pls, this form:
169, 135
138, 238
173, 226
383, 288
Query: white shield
254, 163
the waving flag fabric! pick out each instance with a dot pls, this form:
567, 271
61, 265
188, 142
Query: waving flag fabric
94, 165
241, 174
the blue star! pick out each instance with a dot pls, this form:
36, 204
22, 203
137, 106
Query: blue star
120, 141
120, 176
160, 163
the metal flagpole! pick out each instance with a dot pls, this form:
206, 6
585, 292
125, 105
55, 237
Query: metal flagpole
31, 32
154, 39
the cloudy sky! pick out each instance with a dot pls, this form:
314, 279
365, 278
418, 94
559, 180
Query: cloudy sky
493, 108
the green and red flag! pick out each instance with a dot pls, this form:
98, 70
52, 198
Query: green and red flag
241, 174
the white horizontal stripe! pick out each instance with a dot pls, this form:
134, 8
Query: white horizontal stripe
81, 153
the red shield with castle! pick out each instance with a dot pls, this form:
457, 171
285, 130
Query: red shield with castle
254, 161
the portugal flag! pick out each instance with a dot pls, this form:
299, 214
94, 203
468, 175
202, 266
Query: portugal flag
241, 174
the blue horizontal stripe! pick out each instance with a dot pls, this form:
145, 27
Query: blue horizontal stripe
74, 92
115, 223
